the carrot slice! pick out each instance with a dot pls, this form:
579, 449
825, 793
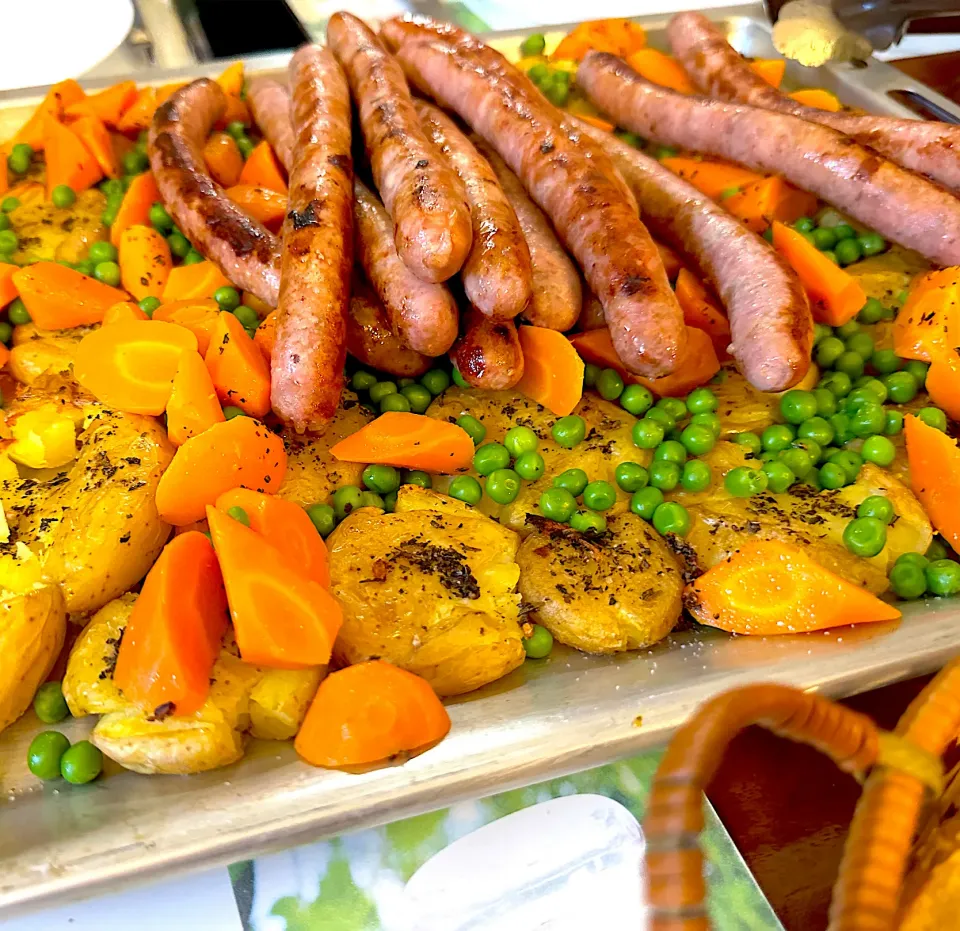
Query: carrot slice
263, 169
661, 69
145, 261
139, 114
231, 80
770, 69
760, 203
108, 105
198, 316
835, 295
368, 713
123, 312
58, 297
817, 98
552, 370
269, 207
606, 126
192, 282
281, 618
236, 111
943, 382
135, 206
223, 159
68, 160
266, 335
166, 91
173, 636
8, 289
236, 453
240, 375
285, 525
130, 366
59, 97
411, 441
96, 137
710, 177
700, 311
935, 475
193, 406
929, 321
768, 587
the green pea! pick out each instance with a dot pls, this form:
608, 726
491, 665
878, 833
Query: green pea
878, 450
81, 763
647, 433
179, 245
662, 416
847, 460
777, 437
390, 502
871, 243
9, 204
159, 218
664, 474
885, 361
539, 644
149, 304
826, 402
861, 344
346, 499
590, 375
416, 477
913, 559
236, 129
436, 381
533, 45
850, 363
381, 389
750, 441
239, 515
490, 457
709, 420
824, 239
671, 517
908, 582
44, 754
779, 476
829, 350
820, 332
557, 91
871, 312
665, 151
943, 577
848, 329
867, 420
645, 502
671, 451
520, 440
837, 383
798, 461
112, 187
918, 370
475, 430
804, 225
229, 412
405, 382
108, 273
933, 417
937, 550
636, 400
865, 536
363, 380
584, 521
609, 384
901, 386
630, 477
600, 496
675, 407
381, 478
9, 242
4, 222
193, 258
63, 196
844, 231
134, 161
892, 423
6, 332
228, 299
18, 161
245, 145
465, 488
529, 465
49, 703
569, 431
574, 481
876, 506
503, 486
558, 504
394, 403
796, 406
697, 440
818, 429
630, 138
323, 518
17, 312
744, 482
370, 499
696, 476
848, 251
831, 255
418, 396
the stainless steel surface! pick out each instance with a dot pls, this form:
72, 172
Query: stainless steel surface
548, 718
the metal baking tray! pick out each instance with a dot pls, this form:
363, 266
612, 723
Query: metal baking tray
546, 719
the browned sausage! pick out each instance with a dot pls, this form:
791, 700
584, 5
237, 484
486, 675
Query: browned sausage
598, 225
770, 322
246, 252
269, 103
308, 356
422, 313
900, 205
371, 341
488, 355
421, 193
557, 291
928, 147
497, 277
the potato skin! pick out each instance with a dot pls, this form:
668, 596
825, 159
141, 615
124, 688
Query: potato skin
601, 593
39, 352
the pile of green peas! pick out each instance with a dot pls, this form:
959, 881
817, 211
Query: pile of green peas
554, 83
838, 240
914, 576
404, 394
239, 133
51, 755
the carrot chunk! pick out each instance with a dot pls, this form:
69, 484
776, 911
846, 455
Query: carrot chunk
236, 111
700, 311
552, 370
191, 282
123, 312
935, 475
130, 366
768, 587
58, 297
175, 629
92, 132
760, 203
240, 375
929, 321
58, 98
267, 206
410, 441
145, 261
943, 382
231, 79
135, 206
138, 115
223, 158
672, 263
770, 69
193, 406
710, 177
198, 316
68, 160
263, 169
266, 335
108, 105
661, 69
368, 713
281, 618
8, 289
817, 98
236, 453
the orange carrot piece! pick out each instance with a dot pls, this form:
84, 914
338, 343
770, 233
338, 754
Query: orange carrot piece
94, 135
929, 321
130, 366
835, 295
193, 282
166, 91
134, 210
368, 713
59, 97
285, 525
935, 476
760, 203
123, 312
817, 98
231, 80
193, 406
240, 375
943, 383
281, 618
68, 160
8, 289
596, 121
108, 105
4, 355
198, 316
263, 169
411, 441
223, 159
138, 115
672, 263
236, 453
572, 47
768, 587
266, 335
58, 297
267, 206
700, 311
710, 177
145, 261
552, 370
770, 69
236, 111
661, 69
174, 633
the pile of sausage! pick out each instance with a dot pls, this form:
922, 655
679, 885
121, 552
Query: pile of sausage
502, 220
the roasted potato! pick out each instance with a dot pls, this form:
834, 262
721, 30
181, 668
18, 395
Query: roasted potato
39, 352
601, 593
741, 407
429, 588
279, 699
47, 233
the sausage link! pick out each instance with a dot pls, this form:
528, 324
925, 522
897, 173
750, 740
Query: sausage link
421, 193
770, 322
423, 314
557, 290
246, 252
925, 146
488, 355
900, 205
497, 277
310, 349
269, 102
598, 225
371, 341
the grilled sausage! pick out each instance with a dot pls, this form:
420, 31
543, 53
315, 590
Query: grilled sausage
900, 205
497, 277
770, 321
421, 313
310, 348
421, 193
488, 355
371, 341
597, 225
269, 102
928, 147
557, 291
246, 252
